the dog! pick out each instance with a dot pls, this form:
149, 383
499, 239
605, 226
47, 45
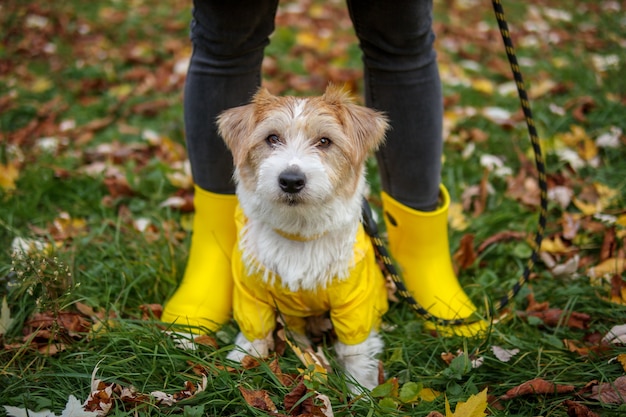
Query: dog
301, 250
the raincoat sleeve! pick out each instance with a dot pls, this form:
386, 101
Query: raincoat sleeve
252, 311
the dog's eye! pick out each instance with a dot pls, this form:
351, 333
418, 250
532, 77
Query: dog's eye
324, 143
273, 140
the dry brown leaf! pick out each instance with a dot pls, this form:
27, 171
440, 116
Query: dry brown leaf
608, 244
465, 256
524, 188
575, 409
153, 311
285, 379
259, 399
618, 290
537, 386
295, 395
571, 224
206, 340
610, 392
448, 357
555, 317
118, 187
501, 237
250, 362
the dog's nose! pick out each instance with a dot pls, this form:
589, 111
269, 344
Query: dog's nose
292, 180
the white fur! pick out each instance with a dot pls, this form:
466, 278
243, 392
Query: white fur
258, 347
326, 225
360, 361
300, 265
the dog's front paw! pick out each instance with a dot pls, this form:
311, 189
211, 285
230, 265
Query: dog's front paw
360, 362
243, 347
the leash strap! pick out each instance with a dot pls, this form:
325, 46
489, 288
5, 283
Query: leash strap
383, 255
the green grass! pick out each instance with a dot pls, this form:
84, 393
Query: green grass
115, 268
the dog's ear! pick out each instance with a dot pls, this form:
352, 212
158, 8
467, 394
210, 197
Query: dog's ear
234, 126
365, 126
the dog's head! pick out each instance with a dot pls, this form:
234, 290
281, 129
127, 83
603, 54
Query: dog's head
301, 151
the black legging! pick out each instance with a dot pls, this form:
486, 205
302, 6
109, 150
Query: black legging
401, 79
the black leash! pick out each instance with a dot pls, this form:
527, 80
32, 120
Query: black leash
381, 249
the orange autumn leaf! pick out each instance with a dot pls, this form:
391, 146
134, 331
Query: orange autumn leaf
258, 399
536, 386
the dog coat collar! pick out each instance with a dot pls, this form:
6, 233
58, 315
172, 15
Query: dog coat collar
298, 237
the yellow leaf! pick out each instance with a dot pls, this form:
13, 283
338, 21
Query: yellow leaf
312, 41
621, 358
483, 85
554, 245
587, 149
606, 193
429, 394
578, 139
8, 175
456, 217
610, 266
587, 208
40, 85
121, 91
573, 137
308, 359
541, 88
475, 406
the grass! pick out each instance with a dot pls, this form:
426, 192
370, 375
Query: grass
104, 51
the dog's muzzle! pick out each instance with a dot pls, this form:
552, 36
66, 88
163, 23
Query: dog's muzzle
292, 180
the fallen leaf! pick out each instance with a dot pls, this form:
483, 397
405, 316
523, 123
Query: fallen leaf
259, 399
308, 357
429, 394
153, 311
292, 400
9, 173
556, 317
387, 389
5, 317
610, 392
73, 408
571, 224
501, 237
621, 358
575, 409
504, 355
611, 266
285, 379
465, 256
457, 219
536, 386
475, 406
617, 334
555, 245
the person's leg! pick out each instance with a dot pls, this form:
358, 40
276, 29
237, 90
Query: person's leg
402, 80
225, 71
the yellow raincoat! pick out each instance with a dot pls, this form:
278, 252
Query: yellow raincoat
356, 303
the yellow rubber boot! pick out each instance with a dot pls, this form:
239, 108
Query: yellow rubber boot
418, 242
204, 297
